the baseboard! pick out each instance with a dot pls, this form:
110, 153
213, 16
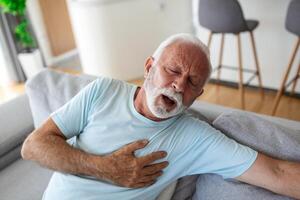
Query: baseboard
235, 85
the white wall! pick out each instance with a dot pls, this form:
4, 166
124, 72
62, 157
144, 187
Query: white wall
274, 42
115, 37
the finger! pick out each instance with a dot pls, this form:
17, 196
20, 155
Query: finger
140, 185
152, 169
147, 159
131, 147
151, 177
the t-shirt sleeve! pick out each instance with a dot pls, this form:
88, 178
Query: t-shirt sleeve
72, 117
213, 152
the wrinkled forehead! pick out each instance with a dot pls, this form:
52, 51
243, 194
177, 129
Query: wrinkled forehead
186, 56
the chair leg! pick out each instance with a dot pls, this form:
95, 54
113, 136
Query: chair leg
282, 86
296, 80
209, 39
241, 85
220, 57
257, 64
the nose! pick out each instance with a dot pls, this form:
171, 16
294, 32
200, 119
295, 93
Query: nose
179, 85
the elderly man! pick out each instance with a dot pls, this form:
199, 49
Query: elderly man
125, 136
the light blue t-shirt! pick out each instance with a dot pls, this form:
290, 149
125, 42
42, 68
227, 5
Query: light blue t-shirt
102, 117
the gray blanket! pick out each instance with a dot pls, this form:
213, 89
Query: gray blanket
259, 134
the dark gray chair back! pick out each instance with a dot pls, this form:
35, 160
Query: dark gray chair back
222, 16
292, 22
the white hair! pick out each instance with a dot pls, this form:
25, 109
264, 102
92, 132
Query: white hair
185, 38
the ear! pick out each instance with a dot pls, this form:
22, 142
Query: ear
148, 65
201, 92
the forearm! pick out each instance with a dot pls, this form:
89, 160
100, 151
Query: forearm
282, 177
54, 152
289, 176
47, 146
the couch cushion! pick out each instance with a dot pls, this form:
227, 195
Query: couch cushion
10, 156
49, 90
23, 180
259, 134
185, 188
212, 187
16, 124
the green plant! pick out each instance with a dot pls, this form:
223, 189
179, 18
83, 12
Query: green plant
21, 30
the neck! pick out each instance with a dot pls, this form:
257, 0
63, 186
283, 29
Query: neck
140, 104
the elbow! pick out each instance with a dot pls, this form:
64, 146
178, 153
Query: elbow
27, 148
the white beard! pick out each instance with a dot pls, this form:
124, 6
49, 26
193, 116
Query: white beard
152, 93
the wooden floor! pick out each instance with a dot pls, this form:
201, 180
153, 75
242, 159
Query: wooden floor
10, 92
227, 96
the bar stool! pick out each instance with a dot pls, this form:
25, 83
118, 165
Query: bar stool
292, 24
226, 16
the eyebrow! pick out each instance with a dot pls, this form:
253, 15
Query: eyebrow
179, 67
174, 66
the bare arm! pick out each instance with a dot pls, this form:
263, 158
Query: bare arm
282, 177
47, 146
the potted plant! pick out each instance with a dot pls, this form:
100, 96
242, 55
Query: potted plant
28, 53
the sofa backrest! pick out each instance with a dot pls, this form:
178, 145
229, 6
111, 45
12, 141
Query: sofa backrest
49, 90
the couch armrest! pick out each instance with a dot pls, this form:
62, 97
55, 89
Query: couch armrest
16, 123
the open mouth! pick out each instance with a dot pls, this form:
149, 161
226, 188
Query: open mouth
168, 101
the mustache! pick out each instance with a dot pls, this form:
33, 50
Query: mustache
175, 96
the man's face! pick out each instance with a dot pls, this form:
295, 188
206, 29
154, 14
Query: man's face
176, 80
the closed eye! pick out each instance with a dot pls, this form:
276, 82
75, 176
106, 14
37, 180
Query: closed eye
172, 71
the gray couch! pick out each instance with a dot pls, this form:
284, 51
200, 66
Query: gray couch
25, 180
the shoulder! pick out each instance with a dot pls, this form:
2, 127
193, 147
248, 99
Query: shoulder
112, 84
109, 90
102, 82
104, 85
192, 134
191, 120
192, 126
